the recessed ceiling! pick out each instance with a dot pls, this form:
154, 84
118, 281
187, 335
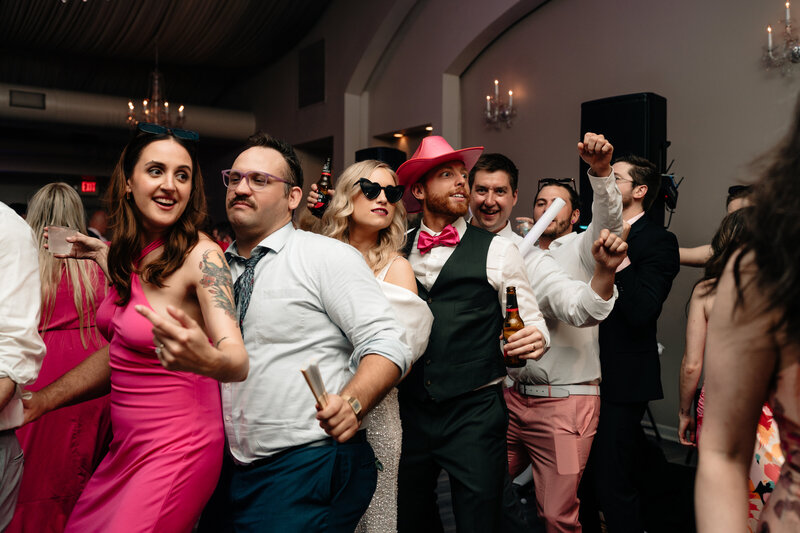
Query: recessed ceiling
109, 46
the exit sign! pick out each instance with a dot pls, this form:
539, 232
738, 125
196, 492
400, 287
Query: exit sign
88, 187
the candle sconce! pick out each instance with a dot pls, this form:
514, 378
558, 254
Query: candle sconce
787, 54
497, 110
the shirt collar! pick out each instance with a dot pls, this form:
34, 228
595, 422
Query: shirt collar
633, 219
275, 241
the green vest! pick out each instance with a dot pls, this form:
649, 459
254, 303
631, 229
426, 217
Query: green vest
464, 348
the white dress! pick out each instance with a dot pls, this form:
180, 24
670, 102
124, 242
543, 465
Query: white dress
384, 431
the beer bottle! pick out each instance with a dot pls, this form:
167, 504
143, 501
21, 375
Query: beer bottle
323, 185
511, 325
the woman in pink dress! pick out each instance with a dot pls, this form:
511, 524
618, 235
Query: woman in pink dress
170, 295
63, 448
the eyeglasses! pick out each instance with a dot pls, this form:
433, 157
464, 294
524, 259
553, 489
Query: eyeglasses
564, 182
738, 189
156, 129
256, 179
620, 178
372, 190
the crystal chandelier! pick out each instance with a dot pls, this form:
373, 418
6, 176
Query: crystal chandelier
499, 111
155, 109
785, 55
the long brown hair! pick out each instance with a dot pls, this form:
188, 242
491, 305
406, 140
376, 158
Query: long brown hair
127, 229
774, 234
57, 204
726, 241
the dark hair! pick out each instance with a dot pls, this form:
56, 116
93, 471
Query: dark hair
493, 163
127, 230
224, 229
729, 237
264, 140
737, 191
19, 208
772, 241
643, 172
574, 199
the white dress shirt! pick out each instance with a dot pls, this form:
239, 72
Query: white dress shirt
314, 298
21, 346
504, 267
574, 355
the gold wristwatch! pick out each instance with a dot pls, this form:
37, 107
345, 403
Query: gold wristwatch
355, 405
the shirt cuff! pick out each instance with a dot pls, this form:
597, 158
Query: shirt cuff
392, 349
625, 264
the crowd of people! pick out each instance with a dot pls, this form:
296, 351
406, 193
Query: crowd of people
171, 396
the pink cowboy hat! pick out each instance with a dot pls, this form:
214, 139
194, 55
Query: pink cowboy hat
432, 152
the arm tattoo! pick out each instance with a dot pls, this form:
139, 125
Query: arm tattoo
217, 279
218, 342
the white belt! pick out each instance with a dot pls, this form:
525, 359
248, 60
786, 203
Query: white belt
557, 391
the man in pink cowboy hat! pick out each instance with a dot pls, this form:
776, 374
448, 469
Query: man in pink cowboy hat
451, 404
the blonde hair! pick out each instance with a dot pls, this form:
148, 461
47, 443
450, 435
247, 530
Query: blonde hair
57, 204
336, 221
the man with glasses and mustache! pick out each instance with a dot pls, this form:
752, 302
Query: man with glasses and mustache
451, 404
547, 393
300, 297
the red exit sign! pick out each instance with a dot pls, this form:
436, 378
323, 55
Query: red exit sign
88, 187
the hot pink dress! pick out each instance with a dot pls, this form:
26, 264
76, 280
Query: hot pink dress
62, 448
166, 454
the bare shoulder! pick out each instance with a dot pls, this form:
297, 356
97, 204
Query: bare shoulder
401, 274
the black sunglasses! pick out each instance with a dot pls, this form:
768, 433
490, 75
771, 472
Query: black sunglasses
564, 182
156, 129
372, 190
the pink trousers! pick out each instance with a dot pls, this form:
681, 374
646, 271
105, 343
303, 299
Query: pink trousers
554, 436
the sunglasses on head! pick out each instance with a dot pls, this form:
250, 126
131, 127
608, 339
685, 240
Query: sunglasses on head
156, 129
372, 190
736, 189
544, 182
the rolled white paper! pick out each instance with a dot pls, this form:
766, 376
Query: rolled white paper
529, 242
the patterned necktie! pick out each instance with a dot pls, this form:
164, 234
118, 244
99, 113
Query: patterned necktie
448, 237
243, 288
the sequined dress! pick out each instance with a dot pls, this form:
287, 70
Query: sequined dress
384, 431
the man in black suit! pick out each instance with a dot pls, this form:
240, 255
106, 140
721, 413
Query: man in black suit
631, 372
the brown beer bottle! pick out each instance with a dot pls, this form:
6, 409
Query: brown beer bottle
323, 185
511, 325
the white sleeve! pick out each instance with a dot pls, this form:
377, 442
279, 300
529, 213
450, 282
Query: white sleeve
606, 214
562, 297
505, 267
21, 347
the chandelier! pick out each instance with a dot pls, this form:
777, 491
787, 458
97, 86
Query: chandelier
785, 55
155, 109
499, 111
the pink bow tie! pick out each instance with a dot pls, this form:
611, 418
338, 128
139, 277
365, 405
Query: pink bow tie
448, 237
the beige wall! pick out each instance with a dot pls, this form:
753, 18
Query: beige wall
723, 109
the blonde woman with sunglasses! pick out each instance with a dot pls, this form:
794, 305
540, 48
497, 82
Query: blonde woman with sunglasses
366, 212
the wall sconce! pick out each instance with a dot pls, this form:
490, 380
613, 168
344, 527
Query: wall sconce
498, 111
784, 56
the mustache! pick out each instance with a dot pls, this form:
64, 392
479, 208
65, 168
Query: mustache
240, 198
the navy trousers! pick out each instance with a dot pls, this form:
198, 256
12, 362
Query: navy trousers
323, 488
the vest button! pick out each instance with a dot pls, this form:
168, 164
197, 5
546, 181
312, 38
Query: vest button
427, 361
428, 382
430, 300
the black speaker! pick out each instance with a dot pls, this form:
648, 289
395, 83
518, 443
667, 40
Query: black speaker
636, 124
391, 156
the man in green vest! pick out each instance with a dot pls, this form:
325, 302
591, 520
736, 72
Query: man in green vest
451, 404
